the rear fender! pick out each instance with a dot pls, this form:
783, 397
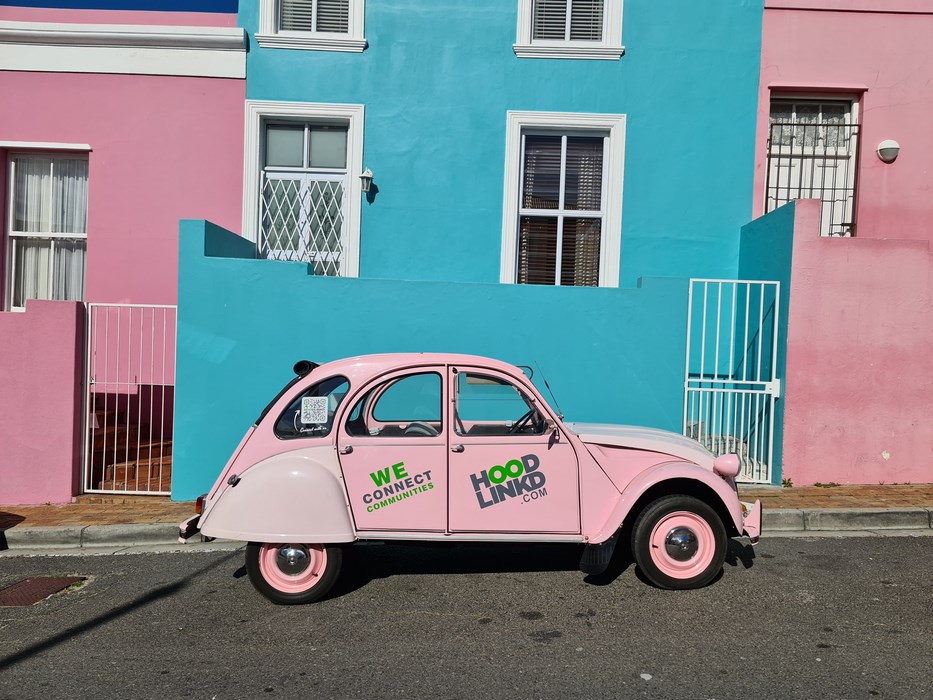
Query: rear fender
692, 478
287, 498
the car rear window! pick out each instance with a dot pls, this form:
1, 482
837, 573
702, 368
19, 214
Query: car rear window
311, 414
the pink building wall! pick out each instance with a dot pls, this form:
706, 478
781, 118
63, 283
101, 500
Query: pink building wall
40, 402
881, 52
859, 376
859, 384
163, 148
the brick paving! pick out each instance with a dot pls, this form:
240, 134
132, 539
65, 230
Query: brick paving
98, 511
126, 510
853, 496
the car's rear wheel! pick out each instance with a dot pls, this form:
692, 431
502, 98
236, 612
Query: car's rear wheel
679, 542
291, 574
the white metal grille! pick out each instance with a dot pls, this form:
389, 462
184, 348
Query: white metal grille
303, 219
130, 399
730, 384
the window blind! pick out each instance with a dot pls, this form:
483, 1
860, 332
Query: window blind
563, 20
561, 210
315, 16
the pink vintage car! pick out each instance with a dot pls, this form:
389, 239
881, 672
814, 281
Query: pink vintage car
440, 447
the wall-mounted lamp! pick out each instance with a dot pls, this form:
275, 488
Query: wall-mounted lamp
366, 180
888, 150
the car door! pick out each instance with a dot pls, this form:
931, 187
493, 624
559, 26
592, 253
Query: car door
510, 469
393, 453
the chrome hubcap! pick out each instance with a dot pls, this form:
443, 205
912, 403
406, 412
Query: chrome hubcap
292, 559
681, 543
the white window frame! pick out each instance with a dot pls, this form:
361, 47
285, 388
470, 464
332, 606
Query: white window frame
609, 49
258, 113
614, 167
269, 35
30, 150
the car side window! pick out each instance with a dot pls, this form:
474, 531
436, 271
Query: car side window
312, 413
408, 406
487, 405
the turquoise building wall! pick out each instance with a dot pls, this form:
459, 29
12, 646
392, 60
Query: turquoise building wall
242, 323
438, 78
766, 253
437, 81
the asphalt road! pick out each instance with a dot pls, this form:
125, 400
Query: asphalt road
801, 618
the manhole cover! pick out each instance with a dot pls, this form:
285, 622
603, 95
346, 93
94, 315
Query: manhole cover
31, 590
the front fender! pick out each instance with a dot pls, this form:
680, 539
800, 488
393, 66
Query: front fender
286, 498
667, 472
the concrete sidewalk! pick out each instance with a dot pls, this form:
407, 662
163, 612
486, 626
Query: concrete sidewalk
99, 521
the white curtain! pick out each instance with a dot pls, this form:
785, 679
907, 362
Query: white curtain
49, 202
32, 195
31, 264
68, 278
69, 196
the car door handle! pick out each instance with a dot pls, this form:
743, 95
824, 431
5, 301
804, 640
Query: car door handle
457, 448
346, 450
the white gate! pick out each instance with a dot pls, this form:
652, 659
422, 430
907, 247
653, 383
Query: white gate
730, 387
130, 399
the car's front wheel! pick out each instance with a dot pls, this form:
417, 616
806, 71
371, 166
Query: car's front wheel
291, 574
679, 542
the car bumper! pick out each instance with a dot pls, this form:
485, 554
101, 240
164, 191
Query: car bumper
189, 528
751, 521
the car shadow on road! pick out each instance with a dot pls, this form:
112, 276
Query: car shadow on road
364, 563
7, 522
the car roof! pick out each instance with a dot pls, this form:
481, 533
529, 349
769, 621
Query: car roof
370, 365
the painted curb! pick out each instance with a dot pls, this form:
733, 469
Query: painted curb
775, 522
781, 520
78, 536
867, 519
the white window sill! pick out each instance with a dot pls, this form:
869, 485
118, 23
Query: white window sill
310, 43
604, 53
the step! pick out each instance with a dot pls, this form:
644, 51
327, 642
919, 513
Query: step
107, 499
163, 485
145, 470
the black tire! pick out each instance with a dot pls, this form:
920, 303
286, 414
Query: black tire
293, 574
679, 542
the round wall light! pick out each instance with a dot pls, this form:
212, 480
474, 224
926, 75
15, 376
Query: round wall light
888, 150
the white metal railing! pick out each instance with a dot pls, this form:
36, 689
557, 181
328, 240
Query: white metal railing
730, 383
130, 398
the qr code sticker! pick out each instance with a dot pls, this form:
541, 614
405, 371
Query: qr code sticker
313, 410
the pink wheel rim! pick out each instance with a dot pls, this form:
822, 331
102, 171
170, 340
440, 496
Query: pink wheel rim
307, 561
704, 540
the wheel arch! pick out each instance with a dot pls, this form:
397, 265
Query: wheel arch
687, 487
283, 499
668, 479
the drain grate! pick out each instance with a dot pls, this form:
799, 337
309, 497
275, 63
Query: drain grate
31, 590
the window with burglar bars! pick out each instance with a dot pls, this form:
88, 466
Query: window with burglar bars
304, 183
813, 154
47, 227
561, 211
